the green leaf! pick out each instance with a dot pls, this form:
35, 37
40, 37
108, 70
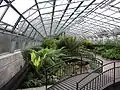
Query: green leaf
35, 59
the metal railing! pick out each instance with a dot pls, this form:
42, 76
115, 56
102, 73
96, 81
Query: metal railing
62, 71
109, 75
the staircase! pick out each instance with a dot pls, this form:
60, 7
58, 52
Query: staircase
94, 80
70, 84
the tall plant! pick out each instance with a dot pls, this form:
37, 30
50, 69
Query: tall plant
45, 58
50, 43
71, 45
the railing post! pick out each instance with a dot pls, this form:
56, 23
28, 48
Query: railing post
76, 86
114, 74
81, 65
46, 79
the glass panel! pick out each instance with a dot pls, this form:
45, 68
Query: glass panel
3, 3
33, 16
47, 10
2, 26
8, 18
29, 31
9, 28
73, 5
44, 5
23, 5
2, 9
62, 7
108, 12
24, 26
61, 2
32, 34
116, 15
29, 13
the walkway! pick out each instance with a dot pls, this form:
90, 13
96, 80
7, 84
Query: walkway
37, 88
70, 83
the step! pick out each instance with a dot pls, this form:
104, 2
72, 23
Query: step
70, 84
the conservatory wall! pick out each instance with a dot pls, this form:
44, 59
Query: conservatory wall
10, 64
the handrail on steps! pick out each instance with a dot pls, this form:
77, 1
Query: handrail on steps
77, 83
98, 61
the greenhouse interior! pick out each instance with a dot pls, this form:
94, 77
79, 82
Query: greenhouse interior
59, 44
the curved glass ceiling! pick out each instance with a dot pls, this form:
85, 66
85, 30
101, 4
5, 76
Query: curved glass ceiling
36, 19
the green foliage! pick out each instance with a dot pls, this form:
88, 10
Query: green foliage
68, 42
35, 60
45, 58
36, 48
26, 55
112, 53
49, 54
39, 61
71, 45
109, 50
31, 80
50, 43
87, 44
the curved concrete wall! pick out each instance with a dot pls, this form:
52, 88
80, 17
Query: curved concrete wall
10, 64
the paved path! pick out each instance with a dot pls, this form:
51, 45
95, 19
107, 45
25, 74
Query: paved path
105, 61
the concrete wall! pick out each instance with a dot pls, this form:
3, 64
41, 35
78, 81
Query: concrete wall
4, 43
10, 64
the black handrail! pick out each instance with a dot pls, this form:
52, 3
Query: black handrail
62, 67
77, 84
96, 77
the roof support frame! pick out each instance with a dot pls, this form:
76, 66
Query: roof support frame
13, 29
77, 15
103, 22
21, 15
13, 33
50, 6
59, 11
63, 14
25, 29
34, 35
106, 16
4, 12
1, 1
72, 14
88, 13
54, 2
40, 17
31, 33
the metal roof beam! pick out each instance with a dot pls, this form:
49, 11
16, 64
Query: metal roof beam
77, 15
72, 14
21, 15
63, 14
40, 17
54, 2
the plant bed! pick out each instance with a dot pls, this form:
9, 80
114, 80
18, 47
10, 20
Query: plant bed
50, 61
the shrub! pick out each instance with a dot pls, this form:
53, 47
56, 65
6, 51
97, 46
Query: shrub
87, 44
50, 43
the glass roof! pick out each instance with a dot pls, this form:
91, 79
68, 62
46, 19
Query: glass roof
37, 19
